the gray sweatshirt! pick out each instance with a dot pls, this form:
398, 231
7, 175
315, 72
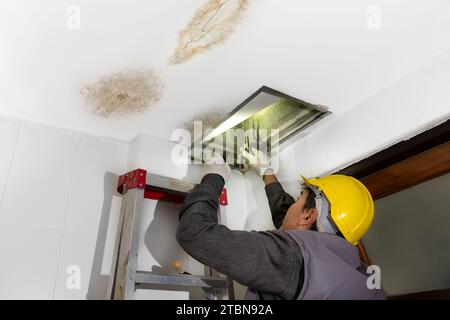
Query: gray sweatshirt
267, 261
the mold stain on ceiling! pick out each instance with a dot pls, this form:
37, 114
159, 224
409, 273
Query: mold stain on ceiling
211, 25
124, 93
327, 55
208, 119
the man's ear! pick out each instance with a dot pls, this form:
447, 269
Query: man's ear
309, 217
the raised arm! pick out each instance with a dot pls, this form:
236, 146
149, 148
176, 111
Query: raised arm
265, 261
279, 200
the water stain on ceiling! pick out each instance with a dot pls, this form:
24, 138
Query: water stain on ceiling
124, 93
135, 91
208, 119
211, 25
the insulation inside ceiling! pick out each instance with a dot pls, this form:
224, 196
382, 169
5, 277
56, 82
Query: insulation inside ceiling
264, 121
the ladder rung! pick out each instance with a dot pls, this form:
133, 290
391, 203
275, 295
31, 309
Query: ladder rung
145, 277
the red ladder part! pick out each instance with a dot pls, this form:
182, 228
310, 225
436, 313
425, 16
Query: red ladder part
169, 190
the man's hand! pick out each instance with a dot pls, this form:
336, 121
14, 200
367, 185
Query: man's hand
258, 161
218, 166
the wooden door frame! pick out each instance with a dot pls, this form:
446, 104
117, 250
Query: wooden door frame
401, 166
399, 152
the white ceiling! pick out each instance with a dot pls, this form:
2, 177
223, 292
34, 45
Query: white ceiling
319, 51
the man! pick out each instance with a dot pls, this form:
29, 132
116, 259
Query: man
311, 255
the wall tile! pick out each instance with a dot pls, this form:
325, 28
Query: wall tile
98, 163
331, 146
40, 177
255, 215
234, 215
8, 138
287, 170
377, 122
155, 155
293, 188
425, 94
29, 261
83, 250
302, 158
158, 245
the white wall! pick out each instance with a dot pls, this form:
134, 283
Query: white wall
56, 197
409, 106
410, 238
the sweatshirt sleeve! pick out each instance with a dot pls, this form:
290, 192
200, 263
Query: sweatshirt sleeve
279, 202
269, 262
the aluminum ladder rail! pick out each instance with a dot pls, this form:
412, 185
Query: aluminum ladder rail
135, 186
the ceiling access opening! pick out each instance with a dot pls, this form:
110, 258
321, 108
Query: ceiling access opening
265, 120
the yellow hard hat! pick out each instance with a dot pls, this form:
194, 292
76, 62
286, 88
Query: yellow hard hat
351, 204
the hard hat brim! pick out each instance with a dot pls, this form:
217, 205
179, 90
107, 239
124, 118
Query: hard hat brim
308, 182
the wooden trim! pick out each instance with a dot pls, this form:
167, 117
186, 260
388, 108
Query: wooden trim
363, 254
399, 152
443, 294
410, 172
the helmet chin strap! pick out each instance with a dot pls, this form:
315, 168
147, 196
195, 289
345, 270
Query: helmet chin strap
323, 222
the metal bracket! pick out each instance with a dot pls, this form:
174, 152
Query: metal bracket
158, 187
131, 180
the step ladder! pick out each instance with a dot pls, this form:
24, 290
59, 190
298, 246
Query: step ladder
135, 186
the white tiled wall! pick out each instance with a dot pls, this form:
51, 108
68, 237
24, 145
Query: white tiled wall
286, 164
77, 250
8, 139
257, 215
30, 256
425, 94
407, 107
378, 121
96, 158
37, 190
56, 187
302, 159
235, 214
155, 155
158, 246
331, 145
